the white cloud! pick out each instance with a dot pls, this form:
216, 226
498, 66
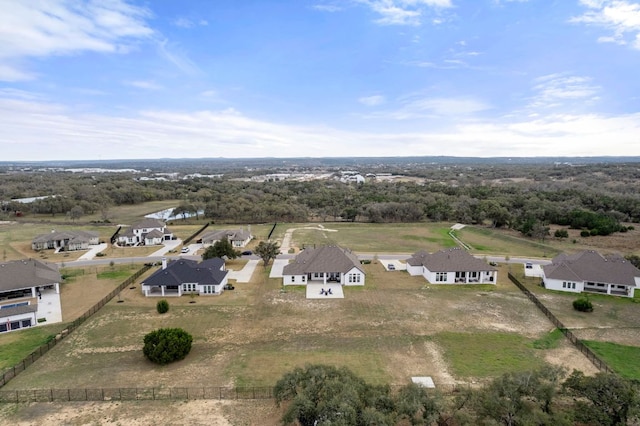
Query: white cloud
620, 17
327, 7
147, 85
229, 133
442, 109
372, 100
31, 28
189, 23
404, 12
555, 90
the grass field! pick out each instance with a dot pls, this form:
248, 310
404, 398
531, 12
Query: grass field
623, 359
393, 328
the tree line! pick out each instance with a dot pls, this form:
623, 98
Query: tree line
595, 198
318, 395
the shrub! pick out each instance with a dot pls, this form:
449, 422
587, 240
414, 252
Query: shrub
585, 233
162, 306
583, 304
166, 345
561, 233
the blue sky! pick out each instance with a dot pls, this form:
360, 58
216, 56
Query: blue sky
109, 79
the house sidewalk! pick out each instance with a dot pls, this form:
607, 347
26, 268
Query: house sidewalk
93, 251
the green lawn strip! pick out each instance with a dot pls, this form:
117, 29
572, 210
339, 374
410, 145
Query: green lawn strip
114, 275
550, 340
15, 346
493, 241
482, 355
263, 363
623, 359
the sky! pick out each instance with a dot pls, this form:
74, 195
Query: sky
132, 79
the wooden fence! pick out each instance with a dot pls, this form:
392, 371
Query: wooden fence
43, 349
591, 356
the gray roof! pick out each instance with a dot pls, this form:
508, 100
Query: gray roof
449, 260
189, 271
593, 267
149, 223
18, 310
322, 259
27, 273
156, 233
232, 235
73, 236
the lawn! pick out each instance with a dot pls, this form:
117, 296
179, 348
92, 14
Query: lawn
15, 346
393, 328
623, 359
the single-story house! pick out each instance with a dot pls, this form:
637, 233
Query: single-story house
65, 240
325, 264
148, 232
186, 276
22, 285
590, 272
237, 237
451, 266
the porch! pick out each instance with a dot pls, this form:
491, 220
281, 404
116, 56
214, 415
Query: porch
602, 288
324, 277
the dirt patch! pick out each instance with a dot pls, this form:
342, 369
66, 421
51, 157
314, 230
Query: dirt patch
142, 413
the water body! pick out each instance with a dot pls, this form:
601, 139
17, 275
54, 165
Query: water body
167, 214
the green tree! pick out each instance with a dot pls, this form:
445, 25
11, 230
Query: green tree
267, 251
76, 213
166, 345
603, 399
413, 403
324, 395
220, 248
162, 306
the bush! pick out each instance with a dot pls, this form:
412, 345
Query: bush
166, 345
583, 305
561, 233
585, 233
162, 306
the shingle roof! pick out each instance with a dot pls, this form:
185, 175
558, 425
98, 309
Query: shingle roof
74, 236
322, 259
18, 310
449, 260
189, 271
27, 273
156, 233
593, 267
149, 223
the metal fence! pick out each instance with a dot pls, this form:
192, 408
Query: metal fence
195, 234
43, 349
149, 394
591, 356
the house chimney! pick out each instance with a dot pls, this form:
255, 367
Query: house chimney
164, 263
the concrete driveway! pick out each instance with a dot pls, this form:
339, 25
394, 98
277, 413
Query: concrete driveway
244, 275
276, 268
93, 251
167, 246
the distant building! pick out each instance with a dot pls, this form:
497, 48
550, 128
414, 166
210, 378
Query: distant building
206, 278
451, 266
325, 264
65, 240
237, 237
147, 232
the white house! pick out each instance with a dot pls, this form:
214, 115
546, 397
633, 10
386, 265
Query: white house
28, 289
590, 272
65, 240
451, 266
237, 237
184, 276
326, 264
148, 232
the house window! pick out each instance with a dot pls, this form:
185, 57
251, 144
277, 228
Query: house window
304, 278
564, 284
189, 287
293, 279
441, 276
